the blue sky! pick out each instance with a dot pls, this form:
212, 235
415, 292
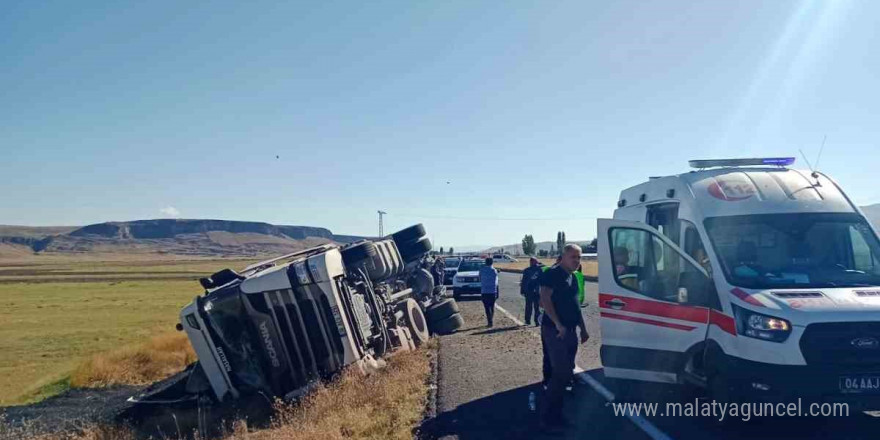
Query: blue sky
536, 113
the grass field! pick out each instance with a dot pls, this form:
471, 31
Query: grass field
590, 268
53, 317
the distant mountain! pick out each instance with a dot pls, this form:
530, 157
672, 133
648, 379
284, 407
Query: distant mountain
200, 238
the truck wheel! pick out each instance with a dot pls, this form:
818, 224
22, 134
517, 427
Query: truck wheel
357, 253
441, 310
448, 325
410, 234
415, 321
413, 251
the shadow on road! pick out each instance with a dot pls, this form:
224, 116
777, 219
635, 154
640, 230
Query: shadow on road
502, 415
497, 330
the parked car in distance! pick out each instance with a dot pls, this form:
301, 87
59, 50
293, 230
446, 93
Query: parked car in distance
451, 269
500, 258
467, 279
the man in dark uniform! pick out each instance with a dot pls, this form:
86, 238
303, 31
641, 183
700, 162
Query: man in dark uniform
562, 317
528, 288
438, 270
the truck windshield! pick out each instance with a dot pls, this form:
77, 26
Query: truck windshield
796, 250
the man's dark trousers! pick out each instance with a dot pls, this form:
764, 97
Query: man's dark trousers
532, 309
489, 305
561, 353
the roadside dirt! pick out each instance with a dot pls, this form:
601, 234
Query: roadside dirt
66, 412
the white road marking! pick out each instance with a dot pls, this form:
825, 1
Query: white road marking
583, 377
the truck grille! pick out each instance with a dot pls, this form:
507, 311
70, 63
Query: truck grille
842, 344
311, 346
469, 279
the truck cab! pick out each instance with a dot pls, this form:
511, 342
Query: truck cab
746, 278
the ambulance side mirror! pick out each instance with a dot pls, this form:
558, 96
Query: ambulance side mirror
694, 289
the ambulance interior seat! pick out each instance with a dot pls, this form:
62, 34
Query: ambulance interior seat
629, 278
747, 260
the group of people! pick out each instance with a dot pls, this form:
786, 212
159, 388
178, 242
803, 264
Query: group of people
558, 291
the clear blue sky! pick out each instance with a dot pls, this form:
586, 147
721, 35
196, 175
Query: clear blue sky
530, 110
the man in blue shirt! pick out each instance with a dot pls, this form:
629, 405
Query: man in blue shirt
489, 289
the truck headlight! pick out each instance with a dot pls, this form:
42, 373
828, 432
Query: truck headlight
758, 326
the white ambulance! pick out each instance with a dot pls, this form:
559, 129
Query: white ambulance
746, 278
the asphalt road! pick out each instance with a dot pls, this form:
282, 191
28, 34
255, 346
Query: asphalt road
486, 377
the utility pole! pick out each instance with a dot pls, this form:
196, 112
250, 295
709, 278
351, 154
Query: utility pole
381, 232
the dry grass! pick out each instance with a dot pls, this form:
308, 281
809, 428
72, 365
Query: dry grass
387, 404
157, 359
591, 268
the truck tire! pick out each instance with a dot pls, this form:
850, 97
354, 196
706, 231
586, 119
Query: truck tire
448, 325
354, 254
408, 235
422, 284
415, 321
413, 251
441, 310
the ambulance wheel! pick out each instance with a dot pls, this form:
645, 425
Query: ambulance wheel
719, 388
448, 325
441, 310
357, 253
720, 391
413, 251
415, 321
410, 234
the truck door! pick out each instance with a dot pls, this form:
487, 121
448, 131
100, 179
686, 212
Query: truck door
653, 302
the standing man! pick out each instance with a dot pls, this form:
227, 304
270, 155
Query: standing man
489, 289
562, 317
528, 288
438, 270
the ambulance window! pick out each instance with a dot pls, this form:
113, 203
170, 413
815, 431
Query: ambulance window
863, 259
664, 218
693, 245
645, 264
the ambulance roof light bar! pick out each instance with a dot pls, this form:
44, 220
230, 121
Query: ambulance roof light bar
765, 161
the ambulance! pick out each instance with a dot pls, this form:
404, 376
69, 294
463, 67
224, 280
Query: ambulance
747, 278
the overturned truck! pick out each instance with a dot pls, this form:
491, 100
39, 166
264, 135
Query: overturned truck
283, 325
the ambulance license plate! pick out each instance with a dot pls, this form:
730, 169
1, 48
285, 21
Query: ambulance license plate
861, 384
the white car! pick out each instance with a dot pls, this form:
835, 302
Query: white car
498, 258
467, 279
752, 280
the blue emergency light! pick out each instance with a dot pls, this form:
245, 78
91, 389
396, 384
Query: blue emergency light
773, 161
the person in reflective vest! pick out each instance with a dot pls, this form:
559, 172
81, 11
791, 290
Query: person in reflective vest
579, 276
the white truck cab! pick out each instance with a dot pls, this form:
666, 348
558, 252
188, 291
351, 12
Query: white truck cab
746, 278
